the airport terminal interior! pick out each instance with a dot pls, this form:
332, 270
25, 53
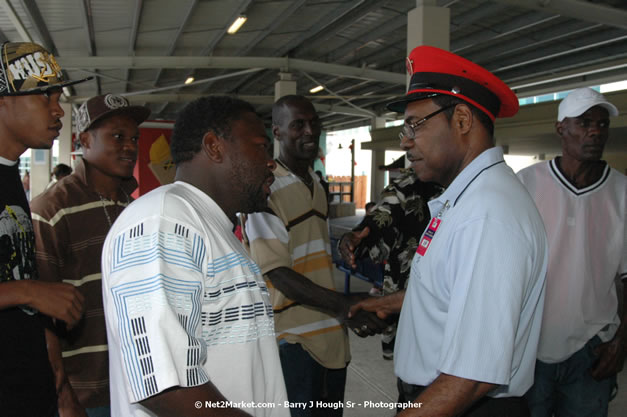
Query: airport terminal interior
349, 58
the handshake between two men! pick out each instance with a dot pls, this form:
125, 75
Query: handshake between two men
375, 311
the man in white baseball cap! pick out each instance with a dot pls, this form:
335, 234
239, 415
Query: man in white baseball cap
578, 101
583, 203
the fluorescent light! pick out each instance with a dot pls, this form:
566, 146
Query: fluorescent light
189, 80
316, 89
237, 24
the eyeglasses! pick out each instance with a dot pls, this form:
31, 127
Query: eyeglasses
409, 129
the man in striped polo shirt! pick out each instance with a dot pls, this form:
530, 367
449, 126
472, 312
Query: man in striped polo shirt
290, 243
71, 221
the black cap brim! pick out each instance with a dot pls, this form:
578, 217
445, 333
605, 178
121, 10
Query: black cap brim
400, 105
41, 90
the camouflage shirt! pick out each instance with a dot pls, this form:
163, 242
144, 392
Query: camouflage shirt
396, 224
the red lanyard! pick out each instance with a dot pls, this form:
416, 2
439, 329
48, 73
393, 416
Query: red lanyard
434, 224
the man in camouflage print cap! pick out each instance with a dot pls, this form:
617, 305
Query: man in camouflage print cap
30, 117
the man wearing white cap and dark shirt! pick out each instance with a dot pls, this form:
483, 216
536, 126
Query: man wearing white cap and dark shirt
583, 204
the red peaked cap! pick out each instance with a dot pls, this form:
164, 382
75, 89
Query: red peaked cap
435, 71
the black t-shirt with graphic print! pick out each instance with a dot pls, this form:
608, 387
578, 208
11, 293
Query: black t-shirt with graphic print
26, 379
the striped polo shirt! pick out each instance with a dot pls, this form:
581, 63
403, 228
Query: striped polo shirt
294, 233
70, 228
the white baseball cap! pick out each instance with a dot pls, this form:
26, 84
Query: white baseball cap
578, 101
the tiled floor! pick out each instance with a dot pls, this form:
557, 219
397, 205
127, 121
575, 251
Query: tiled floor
371, 383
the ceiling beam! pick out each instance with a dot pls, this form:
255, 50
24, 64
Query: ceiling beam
179, 32
206, 80
339, 25
347, 51
534, 57
364, 111
256, 100
577, 65
576, 9
518, 24
535, 41
15, 19
39, 26
132, 40
477, 14
275, 24
183, 62
243, 5
321, 24
294, 5
88, 25
33, 14
607, 72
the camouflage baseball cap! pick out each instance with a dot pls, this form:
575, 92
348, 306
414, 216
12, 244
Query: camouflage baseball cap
28, 68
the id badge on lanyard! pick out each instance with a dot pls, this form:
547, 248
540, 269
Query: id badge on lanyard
428, 235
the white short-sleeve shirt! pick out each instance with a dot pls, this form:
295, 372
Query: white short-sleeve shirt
587, 234
184, 305
473, 305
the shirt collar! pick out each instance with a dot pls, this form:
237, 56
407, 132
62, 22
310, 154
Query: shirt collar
211, 206
7, 162
453, 192
282, 170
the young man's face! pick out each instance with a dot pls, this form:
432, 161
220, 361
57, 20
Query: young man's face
31, 121
298, 131
251, 167
584, 137
111, 146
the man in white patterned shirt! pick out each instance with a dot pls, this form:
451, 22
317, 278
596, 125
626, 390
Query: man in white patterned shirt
189, 319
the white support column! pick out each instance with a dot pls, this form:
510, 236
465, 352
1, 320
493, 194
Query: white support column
377, 177
41, 159
65, 136
39, 171
428, 24
284, 87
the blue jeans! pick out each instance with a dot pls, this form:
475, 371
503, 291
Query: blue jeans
307, 381
567, 389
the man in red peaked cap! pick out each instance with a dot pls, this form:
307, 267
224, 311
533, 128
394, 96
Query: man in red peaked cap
471, 314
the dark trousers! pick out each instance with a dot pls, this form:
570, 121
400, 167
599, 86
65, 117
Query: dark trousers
485, 407
320, 388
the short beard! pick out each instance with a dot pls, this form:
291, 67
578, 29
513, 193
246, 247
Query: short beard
255, 199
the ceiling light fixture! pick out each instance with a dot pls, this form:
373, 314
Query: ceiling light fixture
316, 89
189, 80
241, 19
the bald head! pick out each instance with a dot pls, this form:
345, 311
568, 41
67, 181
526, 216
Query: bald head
279, 107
